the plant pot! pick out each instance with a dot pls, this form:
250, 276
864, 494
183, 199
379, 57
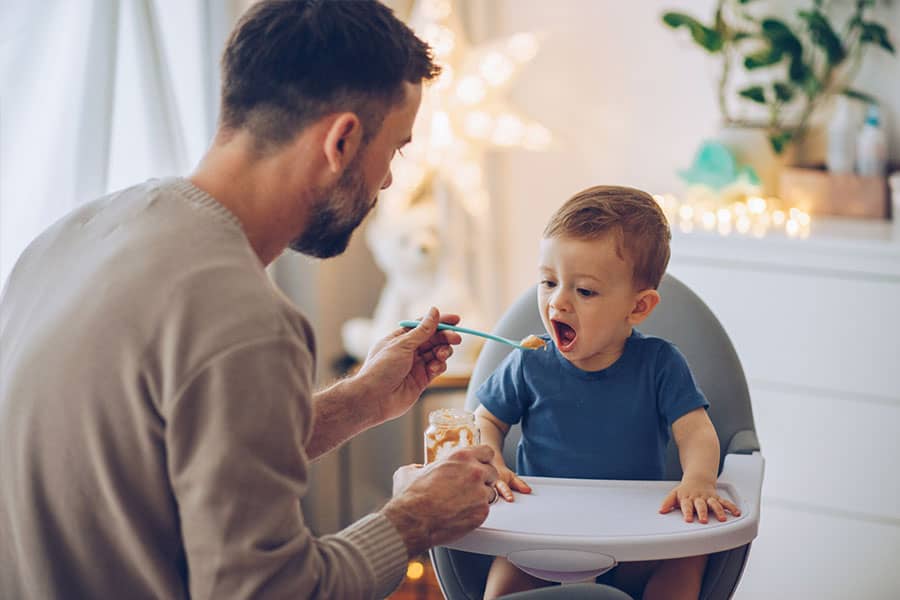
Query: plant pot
750, 146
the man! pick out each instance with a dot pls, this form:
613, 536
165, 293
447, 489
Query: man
156, 412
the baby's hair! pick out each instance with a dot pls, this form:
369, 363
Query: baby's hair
633, 216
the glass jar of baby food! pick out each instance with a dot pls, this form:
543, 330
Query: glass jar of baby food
448, 430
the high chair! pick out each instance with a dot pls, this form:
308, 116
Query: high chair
573, 529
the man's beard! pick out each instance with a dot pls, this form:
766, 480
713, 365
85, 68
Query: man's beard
334, 216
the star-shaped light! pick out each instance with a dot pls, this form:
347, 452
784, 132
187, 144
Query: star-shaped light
464, 112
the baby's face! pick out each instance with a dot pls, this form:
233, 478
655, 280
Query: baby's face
585, 297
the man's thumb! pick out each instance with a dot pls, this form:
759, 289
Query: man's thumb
426, 327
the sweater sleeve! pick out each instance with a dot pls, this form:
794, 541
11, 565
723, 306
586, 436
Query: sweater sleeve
235, 436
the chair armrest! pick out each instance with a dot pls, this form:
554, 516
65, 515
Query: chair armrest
744, 475
743, 442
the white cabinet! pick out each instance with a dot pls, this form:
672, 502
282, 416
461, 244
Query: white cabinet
816, 323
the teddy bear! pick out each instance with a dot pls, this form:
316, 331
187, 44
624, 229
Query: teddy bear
407, 244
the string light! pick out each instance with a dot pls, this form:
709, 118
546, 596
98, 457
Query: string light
464, 112
753, 215
414, 570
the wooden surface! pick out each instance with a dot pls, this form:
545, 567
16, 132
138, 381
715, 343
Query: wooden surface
819, 192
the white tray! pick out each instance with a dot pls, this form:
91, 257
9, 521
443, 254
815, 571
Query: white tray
574, 529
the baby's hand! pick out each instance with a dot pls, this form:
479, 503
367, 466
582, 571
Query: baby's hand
508, 481
694, 495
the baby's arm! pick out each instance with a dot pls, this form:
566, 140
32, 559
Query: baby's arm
698, 450
493, 432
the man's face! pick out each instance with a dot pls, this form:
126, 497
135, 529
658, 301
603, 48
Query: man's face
335, 214
338, 211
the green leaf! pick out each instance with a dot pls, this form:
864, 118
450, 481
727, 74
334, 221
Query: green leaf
779, 141
755, 93
822, 35
873, 33
704, 36
783, 91
799, 71
781, 37
861, 96
763, 58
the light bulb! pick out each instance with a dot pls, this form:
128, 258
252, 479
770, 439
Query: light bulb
724, 227
478, 125
537, 137
441, 130
792, 227
415, 569
496, 68
471, 90
441, 39
522, 46
756, 205
508, 131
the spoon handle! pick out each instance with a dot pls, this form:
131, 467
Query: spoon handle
459, 329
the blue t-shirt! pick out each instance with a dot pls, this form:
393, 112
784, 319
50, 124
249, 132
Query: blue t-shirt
609, 424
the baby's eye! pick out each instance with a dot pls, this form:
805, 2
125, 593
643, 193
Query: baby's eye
548, 283
585, 293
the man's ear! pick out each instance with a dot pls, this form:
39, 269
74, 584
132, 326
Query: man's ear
342, 141
644, 303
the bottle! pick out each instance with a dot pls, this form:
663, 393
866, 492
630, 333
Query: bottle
871, 146
842, 134
448, 430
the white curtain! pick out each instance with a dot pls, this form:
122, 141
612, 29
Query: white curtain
96, 95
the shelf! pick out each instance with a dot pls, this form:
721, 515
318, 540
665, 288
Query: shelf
838, 246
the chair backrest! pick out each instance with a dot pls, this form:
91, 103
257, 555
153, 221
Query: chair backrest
683, 319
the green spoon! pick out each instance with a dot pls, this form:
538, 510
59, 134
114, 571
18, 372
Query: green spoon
534, 342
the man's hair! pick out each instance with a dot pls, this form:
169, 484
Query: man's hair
639, 224
289, 62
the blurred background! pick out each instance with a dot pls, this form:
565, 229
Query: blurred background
800, 260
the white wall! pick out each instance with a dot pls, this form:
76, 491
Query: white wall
628, 100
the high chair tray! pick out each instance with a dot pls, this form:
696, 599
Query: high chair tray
571, 529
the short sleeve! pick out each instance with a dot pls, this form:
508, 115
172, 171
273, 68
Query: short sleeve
677, 392
504, 393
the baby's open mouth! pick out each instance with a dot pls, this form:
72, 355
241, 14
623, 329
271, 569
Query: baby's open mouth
565, 335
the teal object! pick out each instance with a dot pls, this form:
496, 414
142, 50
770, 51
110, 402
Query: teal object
716, 167
459, 329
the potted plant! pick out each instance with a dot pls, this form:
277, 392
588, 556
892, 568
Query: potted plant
790, 67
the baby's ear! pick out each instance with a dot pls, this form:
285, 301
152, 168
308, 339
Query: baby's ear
644, 303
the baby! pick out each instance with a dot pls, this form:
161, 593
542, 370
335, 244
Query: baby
600, 402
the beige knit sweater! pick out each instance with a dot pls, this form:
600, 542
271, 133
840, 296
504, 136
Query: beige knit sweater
155, 401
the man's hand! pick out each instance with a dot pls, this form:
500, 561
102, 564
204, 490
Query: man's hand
443, 501
700, 496
400, 366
